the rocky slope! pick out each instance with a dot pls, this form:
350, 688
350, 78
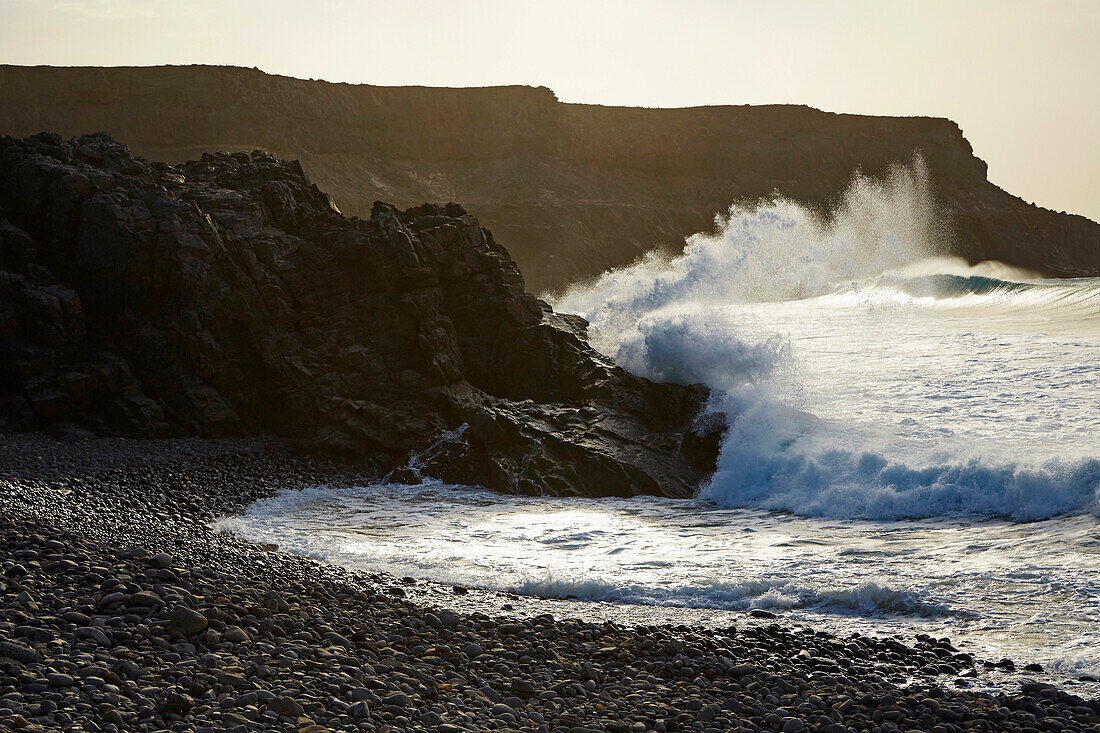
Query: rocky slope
573, 189
229, 297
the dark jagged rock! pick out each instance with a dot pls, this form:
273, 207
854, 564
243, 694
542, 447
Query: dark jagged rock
228, 296
573, 188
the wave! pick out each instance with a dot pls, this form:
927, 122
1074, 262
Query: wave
690, 347
779, 458
775, 250
676, 319
851, 485
971, 289
871, 598
325, 524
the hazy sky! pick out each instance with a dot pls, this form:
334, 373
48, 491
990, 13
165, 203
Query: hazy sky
1021, 78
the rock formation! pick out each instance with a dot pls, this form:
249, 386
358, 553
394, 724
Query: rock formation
574, 189
228, 296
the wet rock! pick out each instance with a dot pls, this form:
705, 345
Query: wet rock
177, 704
161, 560
336, 640
127, 669
404, 475
144, 599
96, 635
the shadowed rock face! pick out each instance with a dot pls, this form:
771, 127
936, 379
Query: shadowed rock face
574, 189
228, 296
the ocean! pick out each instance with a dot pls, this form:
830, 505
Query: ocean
914, 444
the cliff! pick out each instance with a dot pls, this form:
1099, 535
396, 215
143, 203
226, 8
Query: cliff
574, 189
227, 296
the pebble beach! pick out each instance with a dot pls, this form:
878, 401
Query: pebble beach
122, 609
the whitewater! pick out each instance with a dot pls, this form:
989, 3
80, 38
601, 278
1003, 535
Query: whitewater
913, 443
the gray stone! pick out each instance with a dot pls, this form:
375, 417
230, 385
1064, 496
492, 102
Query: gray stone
236, 634
161, 560
285, 707
19, 653
187, 622
96, 635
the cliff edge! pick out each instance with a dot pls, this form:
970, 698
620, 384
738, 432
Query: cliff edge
574, 189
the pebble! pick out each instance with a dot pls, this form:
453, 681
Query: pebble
187, 622
236, 634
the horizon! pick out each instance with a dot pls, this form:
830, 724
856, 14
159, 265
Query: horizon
1021, 78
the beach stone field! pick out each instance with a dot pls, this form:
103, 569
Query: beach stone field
122, 610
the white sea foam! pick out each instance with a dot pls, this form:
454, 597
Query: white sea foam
1028, 591
870, 598
867, 386
833, 482
862, 375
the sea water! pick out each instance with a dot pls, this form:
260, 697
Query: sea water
914, 444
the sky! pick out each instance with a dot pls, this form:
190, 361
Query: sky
1021, 78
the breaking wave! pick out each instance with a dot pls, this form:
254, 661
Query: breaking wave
779, 474
866, 599
681, 319
954, 289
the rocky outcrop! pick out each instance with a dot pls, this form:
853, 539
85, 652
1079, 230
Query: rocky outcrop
574, 189
228, 296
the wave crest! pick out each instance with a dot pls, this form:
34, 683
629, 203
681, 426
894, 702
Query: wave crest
675, 319
779, 474
870, 598
687, 349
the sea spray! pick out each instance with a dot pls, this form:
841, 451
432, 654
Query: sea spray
772, 250
900, 426
937, 443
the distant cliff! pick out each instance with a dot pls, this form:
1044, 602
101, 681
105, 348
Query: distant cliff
572, 188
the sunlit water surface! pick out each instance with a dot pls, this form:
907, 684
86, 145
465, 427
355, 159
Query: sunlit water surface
1029, 591
913, 448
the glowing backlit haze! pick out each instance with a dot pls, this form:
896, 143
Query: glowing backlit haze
1021, 78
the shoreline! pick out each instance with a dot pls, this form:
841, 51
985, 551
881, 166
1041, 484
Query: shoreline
589, 566
110, 566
